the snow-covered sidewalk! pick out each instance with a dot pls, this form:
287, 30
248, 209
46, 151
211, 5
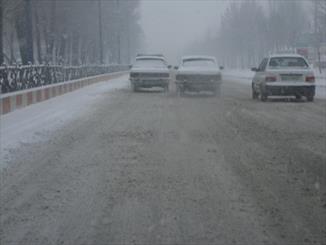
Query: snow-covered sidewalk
245, 76
27, 124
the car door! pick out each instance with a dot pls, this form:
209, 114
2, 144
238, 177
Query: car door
260, 73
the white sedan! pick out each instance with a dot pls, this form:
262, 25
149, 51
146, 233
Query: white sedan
150, 71
285, 75
198, 73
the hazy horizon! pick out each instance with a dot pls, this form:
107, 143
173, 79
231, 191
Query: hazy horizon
187, 22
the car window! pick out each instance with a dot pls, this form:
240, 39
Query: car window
149, 63
263, 65
199, 62
281, 62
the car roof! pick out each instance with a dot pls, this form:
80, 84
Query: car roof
286, 55
160, 55
150, 57
198, 57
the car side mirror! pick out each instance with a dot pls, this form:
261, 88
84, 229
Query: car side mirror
221, 67
176, 67
169, 66
254, 69
130, 66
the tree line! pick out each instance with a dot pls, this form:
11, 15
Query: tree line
250, 30
69, 32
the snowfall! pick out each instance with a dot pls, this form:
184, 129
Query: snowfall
34, 122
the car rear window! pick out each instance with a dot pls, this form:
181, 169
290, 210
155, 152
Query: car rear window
149, 63
281, 62
199, 62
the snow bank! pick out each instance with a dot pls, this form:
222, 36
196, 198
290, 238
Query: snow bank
27, 124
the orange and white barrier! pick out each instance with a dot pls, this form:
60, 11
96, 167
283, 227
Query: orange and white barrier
16, 100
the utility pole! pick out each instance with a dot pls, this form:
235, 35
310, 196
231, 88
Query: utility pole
29, 32
1, 34
100, 31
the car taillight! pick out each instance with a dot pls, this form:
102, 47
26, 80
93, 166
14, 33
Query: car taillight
270, 79
310, 79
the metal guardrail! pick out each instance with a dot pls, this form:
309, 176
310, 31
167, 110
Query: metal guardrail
16, 78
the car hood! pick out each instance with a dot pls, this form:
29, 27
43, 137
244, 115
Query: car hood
199, 70
150, 69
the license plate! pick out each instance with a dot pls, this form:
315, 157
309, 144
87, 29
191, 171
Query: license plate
291, 77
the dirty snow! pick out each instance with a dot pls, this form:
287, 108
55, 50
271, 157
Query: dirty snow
29, 124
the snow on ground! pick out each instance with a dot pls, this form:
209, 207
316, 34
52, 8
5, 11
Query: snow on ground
28, 124
245, 76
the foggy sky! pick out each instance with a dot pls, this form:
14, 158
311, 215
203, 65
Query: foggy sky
171, 25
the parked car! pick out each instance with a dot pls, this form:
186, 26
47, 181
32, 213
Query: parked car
150, 71
198, 73
283, 75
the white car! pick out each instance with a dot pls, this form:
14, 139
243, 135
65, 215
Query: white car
150, 71
283, 75
198, 73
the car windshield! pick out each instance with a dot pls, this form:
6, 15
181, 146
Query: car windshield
284, 62
149, 63
199, 63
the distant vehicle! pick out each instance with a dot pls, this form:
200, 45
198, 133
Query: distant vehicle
198, 73
150, 71
284, 75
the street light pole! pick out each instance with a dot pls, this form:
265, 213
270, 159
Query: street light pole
119, 34
100, 31
128, 38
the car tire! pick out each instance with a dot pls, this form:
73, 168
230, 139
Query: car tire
298, 96
263, 97
254, 94
177, 90
263, 94
180, 90
166, 88
310, 98
134, 88
217, 91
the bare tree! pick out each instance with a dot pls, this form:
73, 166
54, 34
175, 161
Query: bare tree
72, 32
248, 32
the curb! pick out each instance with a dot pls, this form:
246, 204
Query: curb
16, 100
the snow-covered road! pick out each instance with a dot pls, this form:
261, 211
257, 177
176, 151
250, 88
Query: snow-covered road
104, 165
34, 122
